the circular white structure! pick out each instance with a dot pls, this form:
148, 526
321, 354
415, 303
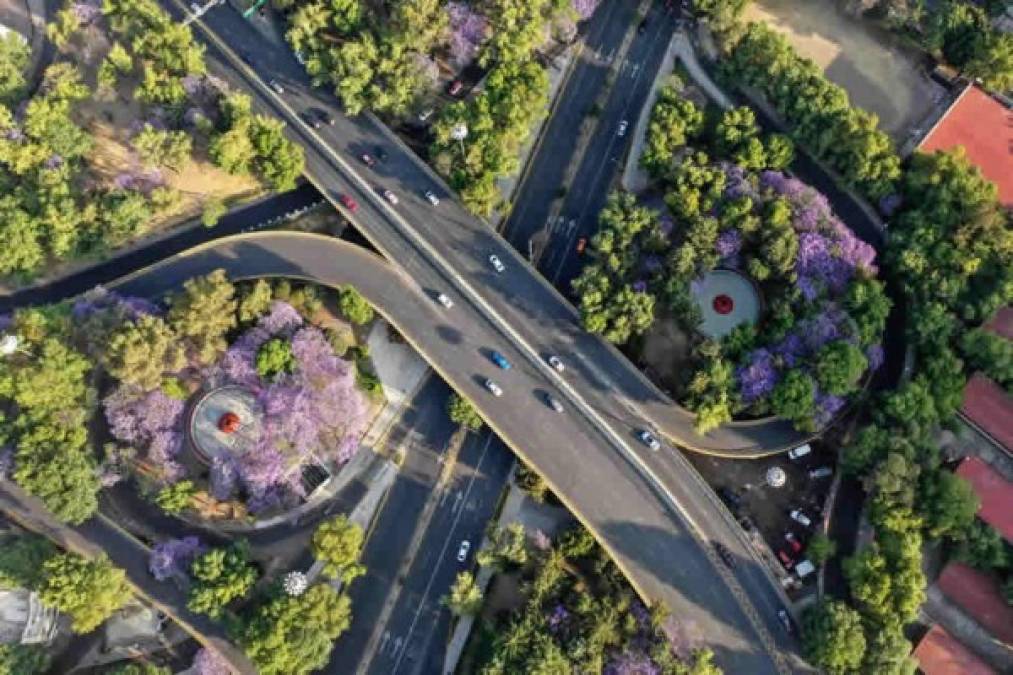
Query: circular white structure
225, 421
726, 299
776, 477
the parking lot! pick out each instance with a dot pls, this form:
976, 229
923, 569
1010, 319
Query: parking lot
743, 486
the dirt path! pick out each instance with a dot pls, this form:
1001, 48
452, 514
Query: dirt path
878, 74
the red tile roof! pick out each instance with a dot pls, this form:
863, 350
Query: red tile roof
940, 654
1002, 323
988, 406
979, 596
995, 493
985, 128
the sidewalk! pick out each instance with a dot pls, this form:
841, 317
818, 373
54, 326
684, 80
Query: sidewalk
401, 372
635, 179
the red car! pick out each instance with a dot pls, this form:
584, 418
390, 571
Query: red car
367, 160
793, 543
785, 560
349, 203
455, 87
581, 245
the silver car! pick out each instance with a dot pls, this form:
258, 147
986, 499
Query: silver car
462, 551
648, 439
553, 403
276, 86
444, 300
433, 199
556, 364
493, 388
496, 263
390, 196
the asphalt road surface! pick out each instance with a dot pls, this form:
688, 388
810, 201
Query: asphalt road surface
414, 629
659, 541
605, 153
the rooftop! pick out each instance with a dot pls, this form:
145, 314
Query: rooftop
990, 408
995, 493
984, 127
1002, 322
940, 654
979, 596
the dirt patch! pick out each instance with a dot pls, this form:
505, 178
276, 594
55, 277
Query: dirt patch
665, 349
879, 74
504, 595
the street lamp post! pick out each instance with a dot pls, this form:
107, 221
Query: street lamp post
459, 133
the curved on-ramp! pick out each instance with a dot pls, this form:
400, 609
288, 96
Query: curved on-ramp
627, 513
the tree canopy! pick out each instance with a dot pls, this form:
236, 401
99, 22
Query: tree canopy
89, 591
338, 544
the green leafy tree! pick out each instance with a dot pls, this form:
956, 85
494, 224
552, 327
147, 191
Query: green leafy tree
947, 502
275, 358
23, 659
779, 151
21, 561
293, 635
462, 412
982, 547
674, 122
212, 211
821, 548
354, 306
66, 480
220, 576
163, 147
278, 160
993, 62
506, 548
465, 597
177, 497
256, 300
888, 652
203, 314
14, 53
839, 367
793, 400
338, 544
832, 637
991, 353
142, 352
959, 30
89, 591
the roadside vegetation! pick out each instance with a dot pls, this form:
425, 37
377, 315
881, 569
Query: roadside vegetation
576, 614
957, 31
141, 362
69, 194
87, 591
729, 206
390, 62
948, 251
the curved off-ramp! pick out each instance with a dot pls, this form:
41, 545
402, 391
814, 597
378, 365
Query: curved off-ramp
654, 516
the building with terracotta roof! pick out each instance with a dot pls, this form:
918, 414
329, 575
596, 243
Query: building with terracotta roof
940, 654
1002, 323
979, 596
995, 493
989, 409
984, 127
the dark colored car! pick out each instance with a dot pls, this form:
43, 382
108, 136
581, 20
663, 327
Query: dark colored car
381, 154
726, 556
324, 116
455, 87
642, 27
730, 497
312, 119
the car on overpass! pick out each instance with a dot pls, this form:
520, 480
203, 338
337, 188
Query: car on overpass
349, 203
496, 263
390, 196
432, 198
500, 360
648, 439
493, 388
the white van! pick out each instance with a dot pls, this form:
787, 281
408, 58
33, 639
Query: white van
800, 451
804, 568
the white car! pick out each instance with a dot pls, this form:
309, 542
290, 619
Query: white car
425, 114
444, 300
195, 7
462, 551
622, 128
801, 518
493, 387
648, 439
390, 196
433, 199
276, 85
800, 452
821, 472
556, 364
553, 403
496, 263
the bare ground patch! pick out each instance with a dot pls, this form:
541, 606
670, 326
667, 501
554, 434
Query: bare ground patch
665, 351
879, 74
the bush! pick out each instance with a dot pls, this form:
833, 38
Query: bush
338, 543
177, 497
354, 307
275, 358
220, 576
462, 412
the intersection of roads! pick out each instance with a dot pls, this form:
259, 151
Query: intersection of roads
651, 510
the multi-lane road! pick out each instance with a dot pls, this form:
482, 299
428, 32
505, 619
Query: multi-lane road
654, 514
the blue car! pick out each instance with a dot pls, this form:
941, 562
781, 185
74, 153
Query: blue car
500, 360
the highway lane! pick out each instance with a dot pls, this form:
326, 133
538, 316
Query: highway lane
445, 248
650, 540
420, 625
479, 476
